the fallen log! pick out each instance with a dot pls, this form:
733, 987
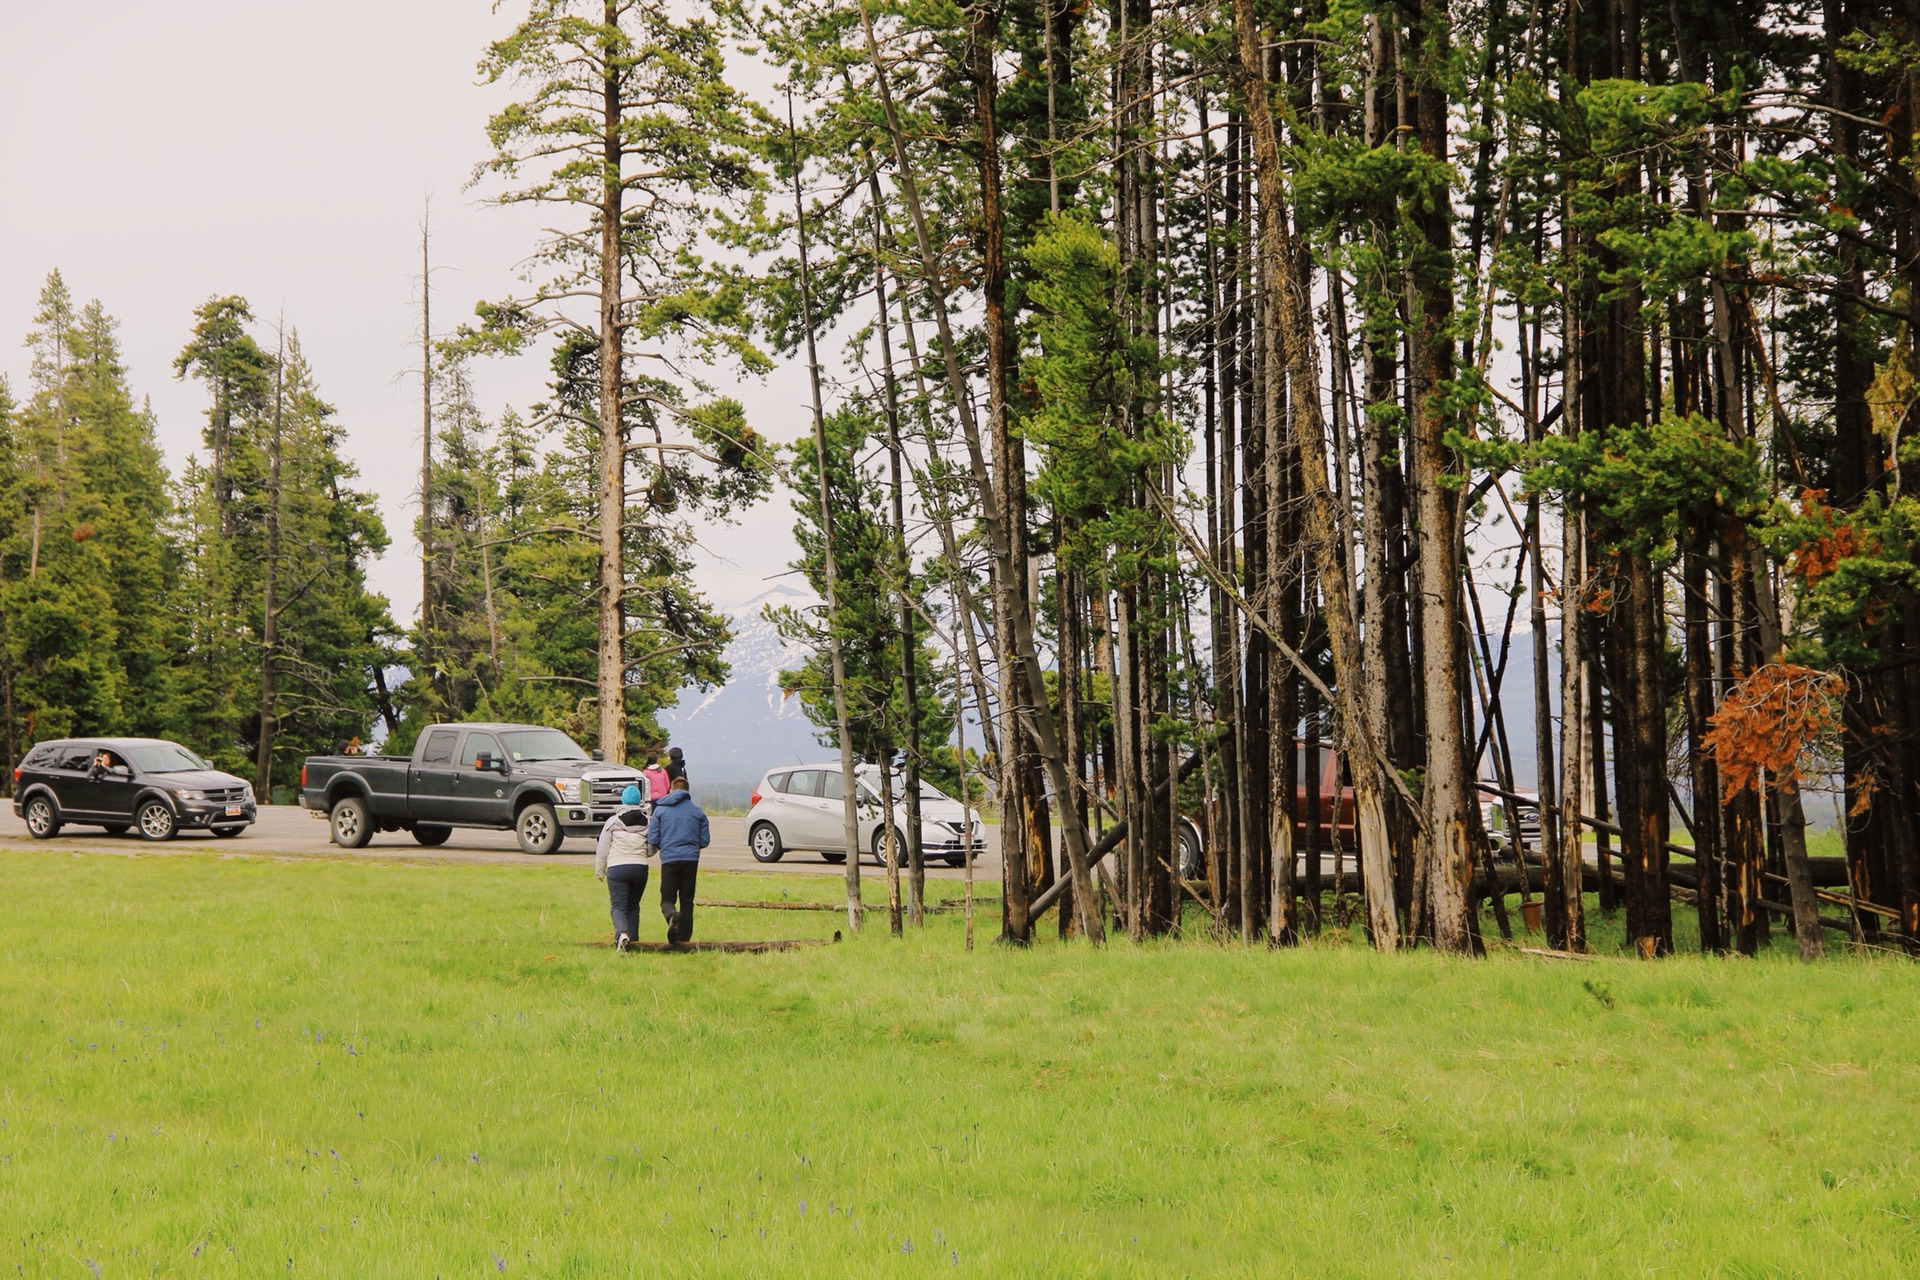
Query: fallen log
762, 904
773, 944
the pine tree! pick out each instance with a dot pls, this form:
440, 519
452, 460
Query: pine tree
630, 125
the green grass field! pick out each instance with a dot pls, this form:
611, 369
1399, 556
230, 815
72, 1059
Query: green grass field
246, 1067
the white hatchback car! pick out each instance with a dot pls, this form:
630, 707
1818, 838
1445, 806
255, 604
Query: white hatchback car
800, 807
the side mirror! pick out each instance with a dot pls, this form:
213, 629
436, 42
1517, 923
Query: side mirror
598, 754
486, 762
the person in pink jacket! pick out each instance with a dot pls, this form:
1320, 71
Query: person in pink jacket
656, 776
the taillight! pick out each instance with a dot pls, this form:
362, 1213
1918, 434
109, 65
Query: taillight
303, 775
750, 803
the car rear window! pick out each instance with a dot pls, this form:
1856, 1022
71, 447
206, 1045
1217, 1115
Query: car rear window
40, 757
777, 781
75, 757
439, 747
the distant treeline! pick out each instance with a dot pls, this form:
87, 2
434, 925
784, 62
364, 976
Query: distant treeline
225, 607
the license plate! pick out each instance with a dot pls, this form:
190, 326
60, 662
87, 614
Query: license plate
233, 811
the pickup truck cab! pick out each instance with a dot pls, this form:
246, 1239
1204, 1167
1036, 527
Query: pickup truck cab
533, 781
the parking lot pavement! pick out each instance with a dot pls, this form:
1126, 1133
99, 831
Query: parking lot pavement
290, 831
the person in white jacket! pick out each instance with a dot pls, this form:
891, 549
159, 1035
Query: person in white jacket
620, 859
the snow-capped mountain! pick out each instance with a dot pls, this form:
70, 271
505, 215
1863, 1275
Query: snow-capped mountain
738, 731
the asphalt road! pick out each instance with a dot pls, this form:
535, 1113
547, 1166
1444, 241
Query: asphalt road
290, 831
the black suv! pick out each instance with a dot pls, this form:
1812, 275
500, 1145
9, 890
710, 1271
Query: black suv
156, 787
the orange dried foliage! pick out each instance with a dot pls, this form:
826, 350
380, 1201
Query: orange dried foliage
1820, 555
1766, 721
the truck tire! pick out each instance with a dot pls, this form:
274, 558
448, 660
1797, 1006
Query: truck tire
352, 825
431, 834
43, 818
538, 829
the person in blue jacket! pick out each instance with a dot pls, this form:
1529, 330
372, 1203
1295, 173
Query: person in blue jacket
678, 828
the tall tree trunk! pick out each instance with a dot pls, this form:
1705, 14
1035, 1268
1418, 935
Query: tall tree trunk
1451, 810
1291, 307
903, 568
270, 591
1021, 640
849, 780
426, 455
611, 616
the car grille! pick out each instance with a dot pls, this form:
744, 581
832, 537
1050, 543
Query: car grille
226, 795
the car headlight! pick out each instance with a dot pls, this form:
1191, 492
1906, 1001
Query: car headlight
187, 793
246, 792
571, 789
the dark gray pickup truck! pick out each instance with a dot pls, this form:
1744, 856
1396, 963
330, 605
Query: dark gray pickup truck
534, 782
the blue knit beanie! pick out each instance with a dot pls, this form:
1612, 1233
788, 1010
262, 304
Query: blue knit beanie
631, 795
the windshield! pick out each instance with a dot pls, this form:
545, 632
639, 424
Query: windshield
166, 757
868, 795
527, 745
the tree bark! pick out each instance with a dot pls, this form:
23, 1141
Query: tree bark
612, 673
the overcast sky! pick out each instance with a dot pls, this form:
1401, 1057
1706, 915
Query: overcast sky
159, 155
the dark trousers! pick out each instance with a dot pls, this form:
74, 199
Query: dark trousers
676, 898
625, 885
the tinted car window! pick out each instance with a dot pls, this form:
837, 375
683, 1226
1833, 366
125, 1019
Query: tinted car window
439, 747
777, 781
75, 757
479, 744
40, 757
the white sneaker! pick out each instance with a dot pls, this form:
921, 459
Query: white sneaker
622, 942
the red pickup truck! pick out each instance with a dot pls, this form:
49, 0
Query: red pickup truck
1336, 814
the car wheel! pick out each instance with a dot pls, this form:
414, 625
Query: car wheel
764, 842
538, 829
43, 820
156, 821
114, 828
431, 835
352, 825
880, 846
1193, 856
227, 833
835, 858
